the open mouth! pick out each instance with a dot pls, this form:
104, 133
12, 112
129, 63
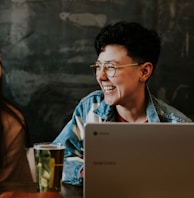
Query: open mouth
108, 88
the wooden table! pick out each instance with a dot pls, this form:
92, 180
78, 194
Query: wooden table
17, 190
69, 191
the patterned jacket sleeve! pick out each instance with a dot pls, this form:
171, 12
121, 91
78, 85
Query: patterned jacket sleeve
72, 137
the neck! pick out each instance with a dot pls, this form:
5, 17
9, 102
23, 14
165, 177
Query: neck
135, 112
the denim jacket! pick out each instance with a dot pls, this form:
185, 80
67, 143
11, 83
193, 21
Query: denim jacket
93, 108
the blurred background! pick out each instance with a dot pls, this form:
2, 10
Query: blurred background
48, 45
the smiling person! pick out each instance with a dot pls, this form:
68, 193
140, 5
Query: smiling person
127, 54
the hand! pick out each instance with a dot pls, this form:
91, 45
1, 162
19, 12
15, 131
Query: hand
82, 173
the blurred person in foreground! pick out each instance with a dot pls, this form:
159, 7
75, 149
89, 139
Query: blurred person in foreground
14, 167
127, 54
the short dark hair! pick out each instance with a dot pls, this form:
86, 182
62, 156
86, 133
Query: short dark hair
142, 44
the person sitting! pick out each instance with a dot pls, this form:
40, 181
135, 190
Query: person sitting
127, 54
14, 166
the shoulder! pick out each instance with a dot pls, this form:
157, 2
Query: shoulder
12, 118
92, 98
95, 95
88, 104
168, 113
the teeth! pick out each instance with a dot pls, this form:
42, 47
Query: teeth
108, 88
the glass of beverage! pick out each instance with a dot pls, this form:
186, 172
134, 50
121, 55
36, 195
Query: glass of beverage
49, 161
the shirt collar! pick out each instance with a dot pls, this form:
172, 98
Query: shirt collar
108, 113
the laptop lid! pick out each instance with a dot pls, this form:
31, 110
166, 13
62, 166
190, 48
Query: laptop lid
125, 160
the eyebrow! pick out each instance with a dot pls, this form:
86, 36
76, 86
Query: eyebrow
110, 61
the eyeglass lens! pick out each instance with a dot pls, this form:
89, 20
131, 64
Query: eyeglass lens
108, 68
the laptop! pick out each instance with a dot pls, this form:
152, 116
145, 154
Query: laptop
125, 160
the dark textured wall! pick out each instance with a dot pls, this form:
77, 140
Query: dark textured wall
47, 46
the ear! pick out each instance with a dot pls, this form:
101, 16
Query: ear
146, 70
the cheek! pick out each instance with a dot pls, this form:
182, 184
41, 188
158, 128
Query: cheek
122, 80
127, 82
132, 78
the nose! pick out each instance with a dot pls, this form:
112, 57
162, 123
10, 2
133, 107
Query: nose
102, 74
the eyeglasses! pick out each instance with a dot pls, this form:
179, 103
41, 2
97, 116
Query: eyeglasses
109, 68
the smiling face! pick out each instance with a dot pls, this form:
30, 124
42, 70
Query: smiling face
128, 84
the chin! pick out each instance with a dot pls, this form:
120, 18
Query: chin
111, 103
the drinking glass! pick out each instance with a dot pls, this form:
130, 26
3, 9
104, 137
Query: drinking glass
49, 161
